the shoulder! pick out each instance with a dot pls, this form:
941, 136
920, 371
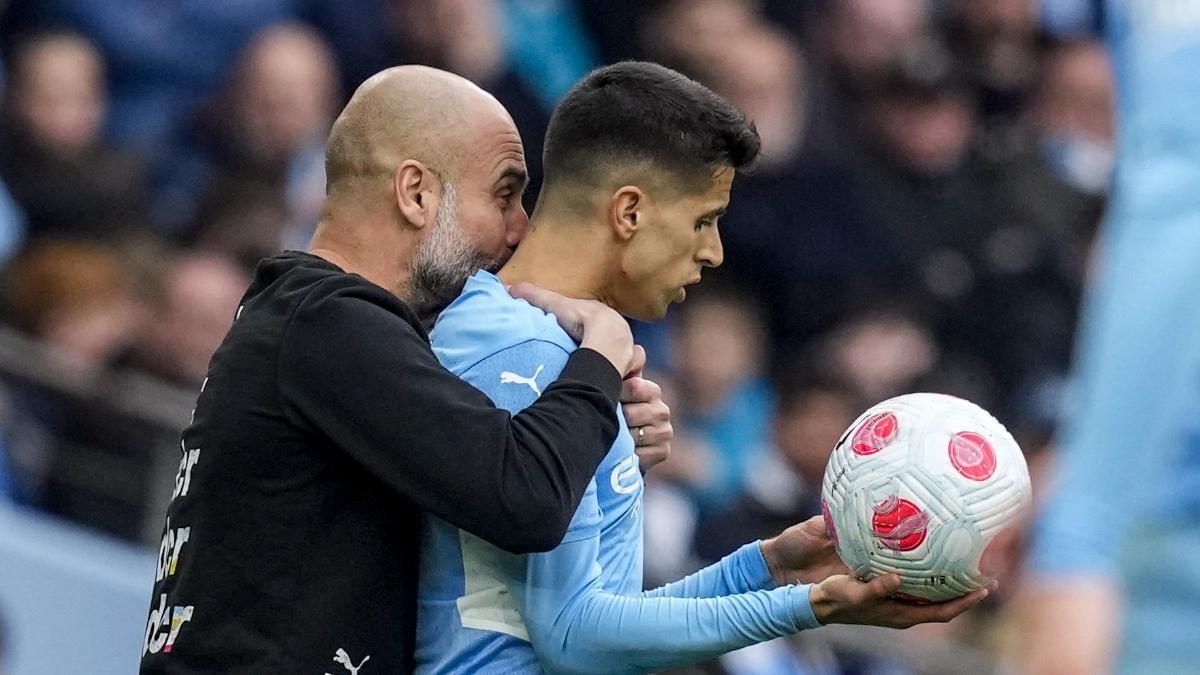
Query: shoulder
485, 321
319, 304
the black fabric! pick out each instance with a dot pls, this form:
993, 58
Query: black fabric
325, 426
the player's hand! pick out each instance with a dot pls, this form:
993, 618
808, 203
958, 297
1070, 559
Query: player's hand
592, 324
803, 553
648, 417
845, 599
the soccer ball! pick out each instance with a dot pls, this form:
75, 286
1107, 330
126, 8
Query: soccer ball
920, 485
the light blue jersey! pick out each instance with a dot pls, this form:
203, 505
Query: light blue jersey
1127, 506
579, 608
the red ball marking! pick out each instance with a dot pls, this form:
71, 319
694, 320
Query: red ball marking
875, 434
900, 524
972, 455
829, 526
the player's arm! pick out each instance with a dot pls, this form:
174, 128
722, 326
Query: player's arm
742, 571
802, 553
577, 627
1138, 360
363, 377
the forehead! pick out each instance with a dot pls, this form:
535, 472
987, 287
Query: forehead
713, 191
493, 146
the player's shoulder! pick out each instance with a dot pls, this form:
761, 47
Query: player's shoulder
485, 320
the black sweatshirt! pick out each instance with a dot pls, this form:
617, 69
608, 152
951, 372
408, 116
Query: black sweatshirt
326, 424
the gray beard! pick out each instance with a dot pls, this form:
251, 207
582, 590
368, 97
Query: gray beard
443, 262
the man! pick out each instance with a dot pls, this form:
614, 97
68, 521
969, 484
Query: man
325, 422
639, 161
1113, 586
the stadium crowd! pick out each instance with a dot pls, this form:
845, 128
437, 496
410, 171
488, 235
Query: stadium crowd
922, 219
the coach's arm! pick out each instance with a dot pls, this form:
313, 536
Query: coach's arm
353, 370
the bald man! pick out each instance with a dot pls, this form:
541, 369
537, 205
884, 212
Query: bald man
325, 424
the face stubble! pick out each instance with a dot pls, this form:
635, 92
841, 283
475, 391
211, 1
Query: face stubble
443, 262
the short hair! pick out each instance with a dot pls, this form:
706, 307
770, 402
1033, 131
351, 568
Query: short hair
635, 111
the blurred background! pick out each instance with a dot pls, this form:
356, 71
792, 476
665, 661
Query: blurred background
934, 173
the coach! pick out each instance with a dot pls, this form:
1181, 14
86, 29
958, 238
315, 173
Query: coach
326, 424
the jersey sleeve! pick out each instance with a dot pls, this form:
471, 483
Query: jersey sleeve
743, 571
355, 373
512, 379
1137, 395
577, 627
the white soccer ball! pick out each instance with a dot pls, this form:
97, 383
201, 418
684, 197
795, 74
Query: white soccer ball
920, 485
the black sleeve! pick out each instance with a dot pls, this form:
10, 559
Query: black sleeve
354, 371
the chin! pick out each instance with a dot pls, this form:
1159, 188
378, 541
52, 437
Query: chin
650, 313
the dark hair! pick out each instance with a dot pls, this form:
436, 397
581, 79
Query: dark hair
636, 111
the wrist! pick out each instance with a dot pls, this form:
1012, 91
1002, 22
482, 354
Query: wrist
818, 600
770, 553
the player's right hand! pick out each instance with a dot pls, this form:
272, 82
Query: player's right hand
592, 324
845, 599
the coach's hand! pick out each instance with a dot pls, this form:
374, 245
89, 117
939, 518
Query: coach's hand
646, 415
844, 599
803, 554
592, 324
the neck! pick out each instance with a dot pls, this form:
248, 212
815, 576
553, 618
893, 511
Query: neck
367, 245
569, 258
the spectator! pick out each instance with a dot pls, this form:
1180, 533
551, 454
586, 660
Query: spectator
880, 352
724, 399
52, 155
277, 108
165, 58
248, 220
77, 297
999, 42
798, 234
1074, 115
862, 40
188, 318
784, 486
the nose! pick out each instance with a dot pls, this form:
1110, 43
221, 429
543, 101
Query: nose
515, 227
711, 253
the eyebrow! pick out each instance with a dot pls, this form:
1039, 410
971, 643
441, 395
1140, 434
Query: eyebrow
513, 173
715, 213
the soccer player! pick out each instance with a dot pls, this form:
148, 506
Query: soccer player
639, 162
325, 425
1114, 582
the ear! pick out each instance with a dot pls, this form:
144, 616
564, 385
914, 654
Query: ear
417, 191
627, 210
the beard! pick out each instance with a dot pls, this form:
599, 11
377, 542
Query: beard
444, 261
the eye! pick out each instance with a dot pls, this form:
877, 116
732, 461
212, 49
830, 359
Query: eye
701, 224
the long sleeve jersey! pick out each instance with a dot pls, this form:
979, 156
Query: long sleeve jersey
579, 608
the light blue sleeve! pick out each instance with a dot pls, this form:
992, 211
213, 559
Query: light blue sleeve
576, 626
742, 571
1120, 453
513, 378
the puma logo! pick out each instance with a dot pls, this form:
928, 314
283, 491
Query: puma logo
343, 658
509, 377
